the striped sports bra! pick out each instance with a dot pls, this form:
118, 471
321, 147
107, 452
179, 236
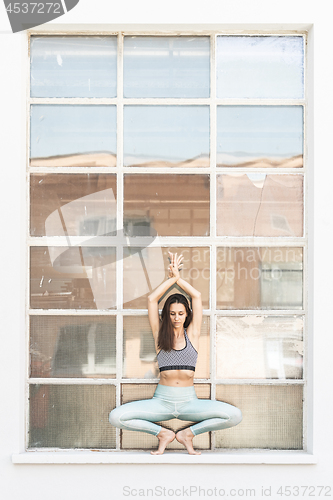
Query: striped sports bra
178, 359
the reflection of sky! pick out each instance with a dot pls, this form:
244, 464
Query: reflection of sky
60, 130
260, 67
260, 130
73, 66
166, 132
166, 66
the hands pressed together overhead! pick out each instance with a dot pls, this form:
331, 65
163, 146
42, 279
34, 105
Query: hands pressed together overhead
175, 265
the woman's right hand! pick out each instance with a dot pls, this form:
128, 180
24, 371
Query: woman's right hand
175, 265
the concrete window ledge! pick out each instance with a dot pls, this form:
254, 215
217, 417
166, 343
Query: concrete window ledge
139, 457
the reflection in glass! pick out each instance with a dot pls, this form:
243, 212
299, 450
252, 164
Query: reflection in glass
260, 136
73, 346
256, 204
259, 278
260, 67
81, 66
68, 136
272, 417
171, 205
161, 66
73, 204
146, 268
139, 353
141, 440
73, 278
71, 416
166, 136
259, 347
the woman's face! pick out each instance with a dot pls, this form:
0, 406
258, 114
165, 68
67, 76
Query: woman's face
177, 314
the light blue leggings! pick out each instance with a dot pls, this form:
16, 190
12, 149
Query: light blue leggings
175, 402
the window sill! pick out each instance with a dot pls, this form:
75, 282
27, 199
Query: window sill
140, 457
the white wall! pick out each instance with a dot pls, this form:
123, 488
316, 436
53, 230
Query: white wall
107, 481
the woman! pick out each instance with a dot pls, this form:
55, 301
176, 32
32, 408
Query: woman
176, 340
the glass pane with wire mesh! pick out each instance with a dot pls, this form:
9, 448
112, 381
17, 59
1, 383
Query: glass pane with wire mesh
272, 417
71, 416
73, 346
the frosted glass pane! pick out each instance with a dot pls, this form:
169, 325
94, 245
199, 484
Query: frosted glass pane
169, 204
141, 440
166, 136
166, 66
73, 277
260, 136
258, 204
259, 347
146, 268
71, 416
73, 66
139, 354
73, 346
259, 278
260, 67
272, 417
73, 204
68, 136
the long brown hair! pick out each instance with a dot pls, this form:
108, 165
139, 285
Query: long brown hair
165, 334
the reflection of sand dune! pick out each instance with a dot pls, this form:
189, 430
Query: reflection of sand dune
103, 159
292, 162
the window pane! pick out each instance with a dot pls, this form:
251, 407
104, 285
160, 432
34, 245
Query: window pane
272, 417
146, 268
68, 66
141, 440
163, 136
68, 136
73, 346
259, 205
73, 278
259, 278
139, 355
260, 136
71, 416
260, 67
166, 66
259, 347
73, 204
171, 205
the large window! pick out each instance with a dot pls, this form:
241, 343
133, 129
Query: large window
143, 144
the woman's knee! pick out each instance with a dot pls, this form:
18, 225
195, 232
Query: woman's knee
236, 416
114, 417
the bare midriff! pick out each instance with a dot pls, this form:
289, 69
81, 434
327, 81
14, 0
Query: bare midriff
177, 378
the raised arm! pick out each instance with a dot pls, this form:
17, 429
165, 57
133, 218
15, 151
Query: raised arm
154, 297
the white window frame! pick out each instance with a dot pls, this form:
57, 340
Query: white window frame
222, 455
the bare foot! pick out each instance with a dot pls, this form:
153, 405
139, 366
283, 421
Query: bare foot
165, 437
185, 437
